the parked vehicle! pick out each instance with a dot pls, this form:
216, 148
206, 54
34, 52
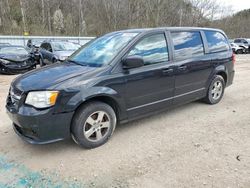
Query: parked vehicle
243, 43
119, 77
34, 42
15, 60
37, 56
238, 49
53, 51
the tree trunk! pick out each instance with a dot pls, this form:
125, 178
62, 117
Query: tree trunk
80, 18
23, 15
43, 11
49, 17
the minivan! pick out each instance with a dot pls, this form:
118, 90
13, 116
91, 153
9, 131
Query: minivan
119, 77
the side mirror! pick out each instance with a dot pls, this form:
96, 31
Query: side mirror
132, 62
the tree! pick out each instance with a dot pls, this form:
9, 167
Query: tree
58, 21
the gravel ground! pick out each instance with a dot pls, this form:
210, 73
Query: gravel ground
195, 145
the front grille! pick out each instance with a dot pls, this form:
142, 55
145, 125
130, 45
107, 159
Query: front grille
27, 132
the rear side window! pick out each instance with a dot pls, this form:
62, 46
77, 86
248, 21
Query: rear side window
187, 44
153, 49
217, 42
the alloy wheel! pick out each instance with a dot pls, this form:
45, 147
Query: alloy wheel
97, 126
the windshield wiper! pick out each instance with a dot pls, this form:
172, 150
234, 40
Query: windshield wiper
78, 63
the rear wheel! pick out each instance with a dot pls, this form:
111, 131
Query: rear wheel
216, 90
93, 124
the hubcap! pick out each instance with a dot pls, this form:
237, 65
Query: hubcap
96, 126
217, 90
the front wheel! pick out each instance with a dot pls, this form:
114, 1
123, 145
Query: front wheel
93, 124
216, 90
240, 51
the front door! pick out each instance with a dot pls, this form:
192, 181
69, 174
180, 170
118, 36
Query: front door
151, 87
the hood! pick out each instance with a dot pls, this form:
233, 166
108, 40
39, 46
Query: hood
15, 58
62, 55
48, 77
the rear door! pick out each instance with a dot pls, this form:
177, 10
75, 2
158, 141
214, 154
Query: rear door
193, 66
151, 87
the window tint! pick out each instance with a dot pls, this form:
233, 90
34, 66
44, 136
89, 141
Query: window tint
216, 41
152, 49
44, 46
187, 44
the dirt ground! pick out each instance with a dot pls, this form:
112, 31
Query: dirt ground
195, 145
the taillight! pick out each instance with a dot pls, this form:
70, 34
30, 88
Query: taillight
234, 58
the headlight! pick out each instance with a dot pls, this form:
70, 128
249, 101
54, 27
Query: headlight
62, 58
4, 61
42, 99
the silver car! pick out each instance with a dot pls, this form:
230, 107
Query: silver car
238, 49
53, 51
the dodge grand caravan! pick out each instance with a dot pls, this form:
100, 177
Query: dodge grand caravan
119, 77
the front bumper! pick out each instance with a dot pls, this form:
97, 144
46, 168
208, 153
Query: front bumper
15, 70
40, 126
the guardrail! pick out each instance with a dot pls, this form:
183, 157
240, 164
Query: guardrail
22, 40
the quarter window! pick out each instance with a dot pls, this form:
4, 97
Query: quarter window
152, 49
187, 44
217, 42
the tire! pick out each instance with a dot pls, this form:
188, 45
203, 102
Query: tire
41, 63
215, 94
93, 124
54, 60
239, 51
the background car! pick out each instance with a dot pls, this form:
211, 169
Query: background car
34, 42
15, 60
237, 49
53, 51
242, 42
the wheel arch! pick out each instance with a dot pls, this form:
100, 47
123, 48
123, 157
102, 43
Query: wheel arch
224, 75
102, 98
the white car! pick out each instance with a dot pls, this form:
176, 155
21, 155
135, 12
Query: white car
238, 49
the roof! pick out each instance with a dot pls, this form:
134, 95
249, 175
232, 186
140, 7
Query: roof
141, 30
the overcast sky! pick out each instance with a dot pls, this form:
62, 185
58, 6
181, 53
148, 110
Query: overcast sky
237, 5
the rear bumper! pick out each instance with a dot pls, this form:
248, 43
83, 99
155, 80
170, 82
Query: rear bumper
40, 127
230, 78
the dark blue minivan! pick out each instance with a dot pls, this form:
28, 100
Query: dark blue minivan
119, 77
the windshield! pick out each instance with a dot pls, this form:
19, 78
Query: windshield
102, 50
13, 51
37, 42
64, 46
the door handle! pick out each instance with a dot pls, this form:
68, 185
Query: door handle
168, 70
182, 67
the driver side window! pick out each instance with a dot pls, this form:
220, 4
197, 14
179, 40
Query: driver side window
153, 49
49, 48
